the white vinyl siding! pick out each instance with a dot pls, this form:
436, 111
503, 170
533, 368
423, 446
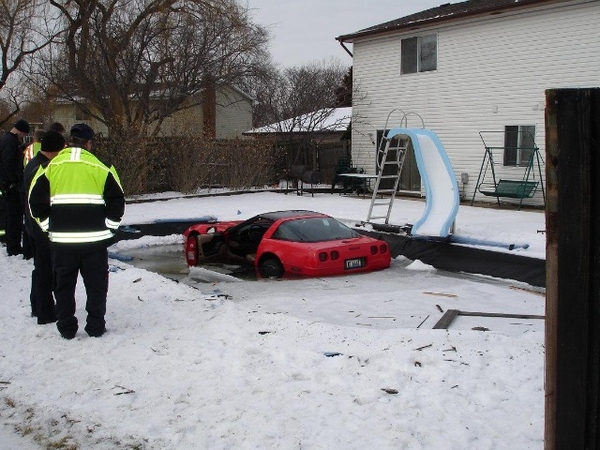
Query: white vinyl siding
491, 72
234, 114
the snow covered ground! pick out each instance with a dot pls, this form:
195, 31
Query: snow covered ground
329, 363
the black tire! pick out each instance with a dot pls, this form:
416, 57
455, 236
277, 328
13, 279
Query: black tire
270, 267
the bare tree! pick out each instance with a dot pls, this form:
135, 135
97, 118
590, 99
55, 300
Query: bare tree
296, 104
343, 93
26, 27
133, 63
305, 94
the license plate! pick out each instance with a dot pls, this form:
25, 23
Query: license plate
355, 263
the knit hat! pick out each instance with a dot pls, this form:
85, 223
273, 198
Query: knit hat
82, 131
22, 126
53, 141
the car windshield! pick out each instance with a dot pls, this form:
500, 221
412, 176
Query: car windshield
314, 229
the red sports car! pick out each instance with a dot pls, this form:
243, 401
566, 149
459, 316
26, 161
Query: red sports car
302, 243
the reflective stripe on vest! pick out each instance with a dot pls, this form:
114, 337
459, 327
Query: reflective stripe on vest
112, 224
77, 199
75, 237
30, 151
28, 154
44, 224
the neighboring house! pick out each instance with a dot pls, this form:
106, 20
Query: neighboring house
225, 114
318, 136
325, 125
468, 67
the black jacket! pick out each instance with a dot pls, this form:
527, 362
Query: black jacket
30, 170
11, 161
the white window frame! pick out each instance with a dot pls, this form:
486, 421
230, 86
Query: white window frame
519, 143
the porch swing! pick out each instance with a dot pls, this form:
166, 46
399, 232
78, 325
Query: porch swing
522, 153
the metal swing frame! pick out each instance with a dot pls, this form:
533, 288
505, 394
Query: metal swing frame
509, 188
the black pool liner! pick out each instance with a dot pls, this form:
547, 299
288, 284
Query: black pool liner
441, 255
460, 258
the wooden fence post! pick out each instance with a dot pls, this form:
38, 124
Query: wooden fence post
572, 269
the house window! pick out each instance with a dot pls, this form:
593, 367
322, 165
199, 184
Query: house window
419, 54
519, 145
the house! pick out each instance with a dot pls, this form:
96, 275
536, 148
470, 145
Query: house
226, 115
318, 139
475, 73
324, 125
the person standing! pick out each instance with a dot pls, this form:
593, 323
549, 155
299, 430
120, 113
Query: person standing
11, 176
57, 126
79, 201
32, 149
42, 300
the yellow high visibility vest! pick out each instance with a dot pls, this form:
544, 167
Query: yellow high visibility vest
31, 150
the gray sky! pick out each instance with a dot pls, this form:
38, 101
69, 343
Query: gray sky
303, 31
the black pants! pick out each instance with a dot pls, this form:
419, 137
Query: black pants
2, 217
42, 300
92, 263
14, 221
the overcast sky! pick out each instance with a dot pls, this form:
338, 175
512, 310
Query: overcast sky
303, 31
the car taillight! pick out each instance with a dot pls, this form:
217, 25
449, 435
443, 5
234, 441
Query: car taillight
383, 248
190, 251
333, 255
373, 249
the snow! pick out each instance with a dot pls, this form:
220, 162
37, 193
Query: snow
336, 119
347, 362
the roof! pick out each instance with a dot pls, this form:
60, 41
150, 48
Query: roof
154, 94
446, 13
323, 120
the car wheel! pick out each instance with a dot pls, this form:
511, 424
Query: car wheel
270, 267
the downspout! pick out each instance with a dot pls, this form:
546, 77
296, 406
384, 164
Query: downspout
345, 48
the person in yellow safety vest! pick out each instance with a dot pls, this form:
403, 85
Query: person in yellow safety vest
78, 200
41, 294
33, 149
28, 154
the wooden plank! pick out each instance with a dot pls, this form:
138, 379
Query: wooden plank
572, 260
502, 315
446, 319
451, 314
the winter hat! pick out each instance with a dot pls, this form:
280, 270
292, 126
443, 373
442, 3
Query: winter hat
22, 126
82, 131
53, 141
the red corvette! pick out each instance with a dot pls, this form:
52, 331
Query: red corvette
302, 243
